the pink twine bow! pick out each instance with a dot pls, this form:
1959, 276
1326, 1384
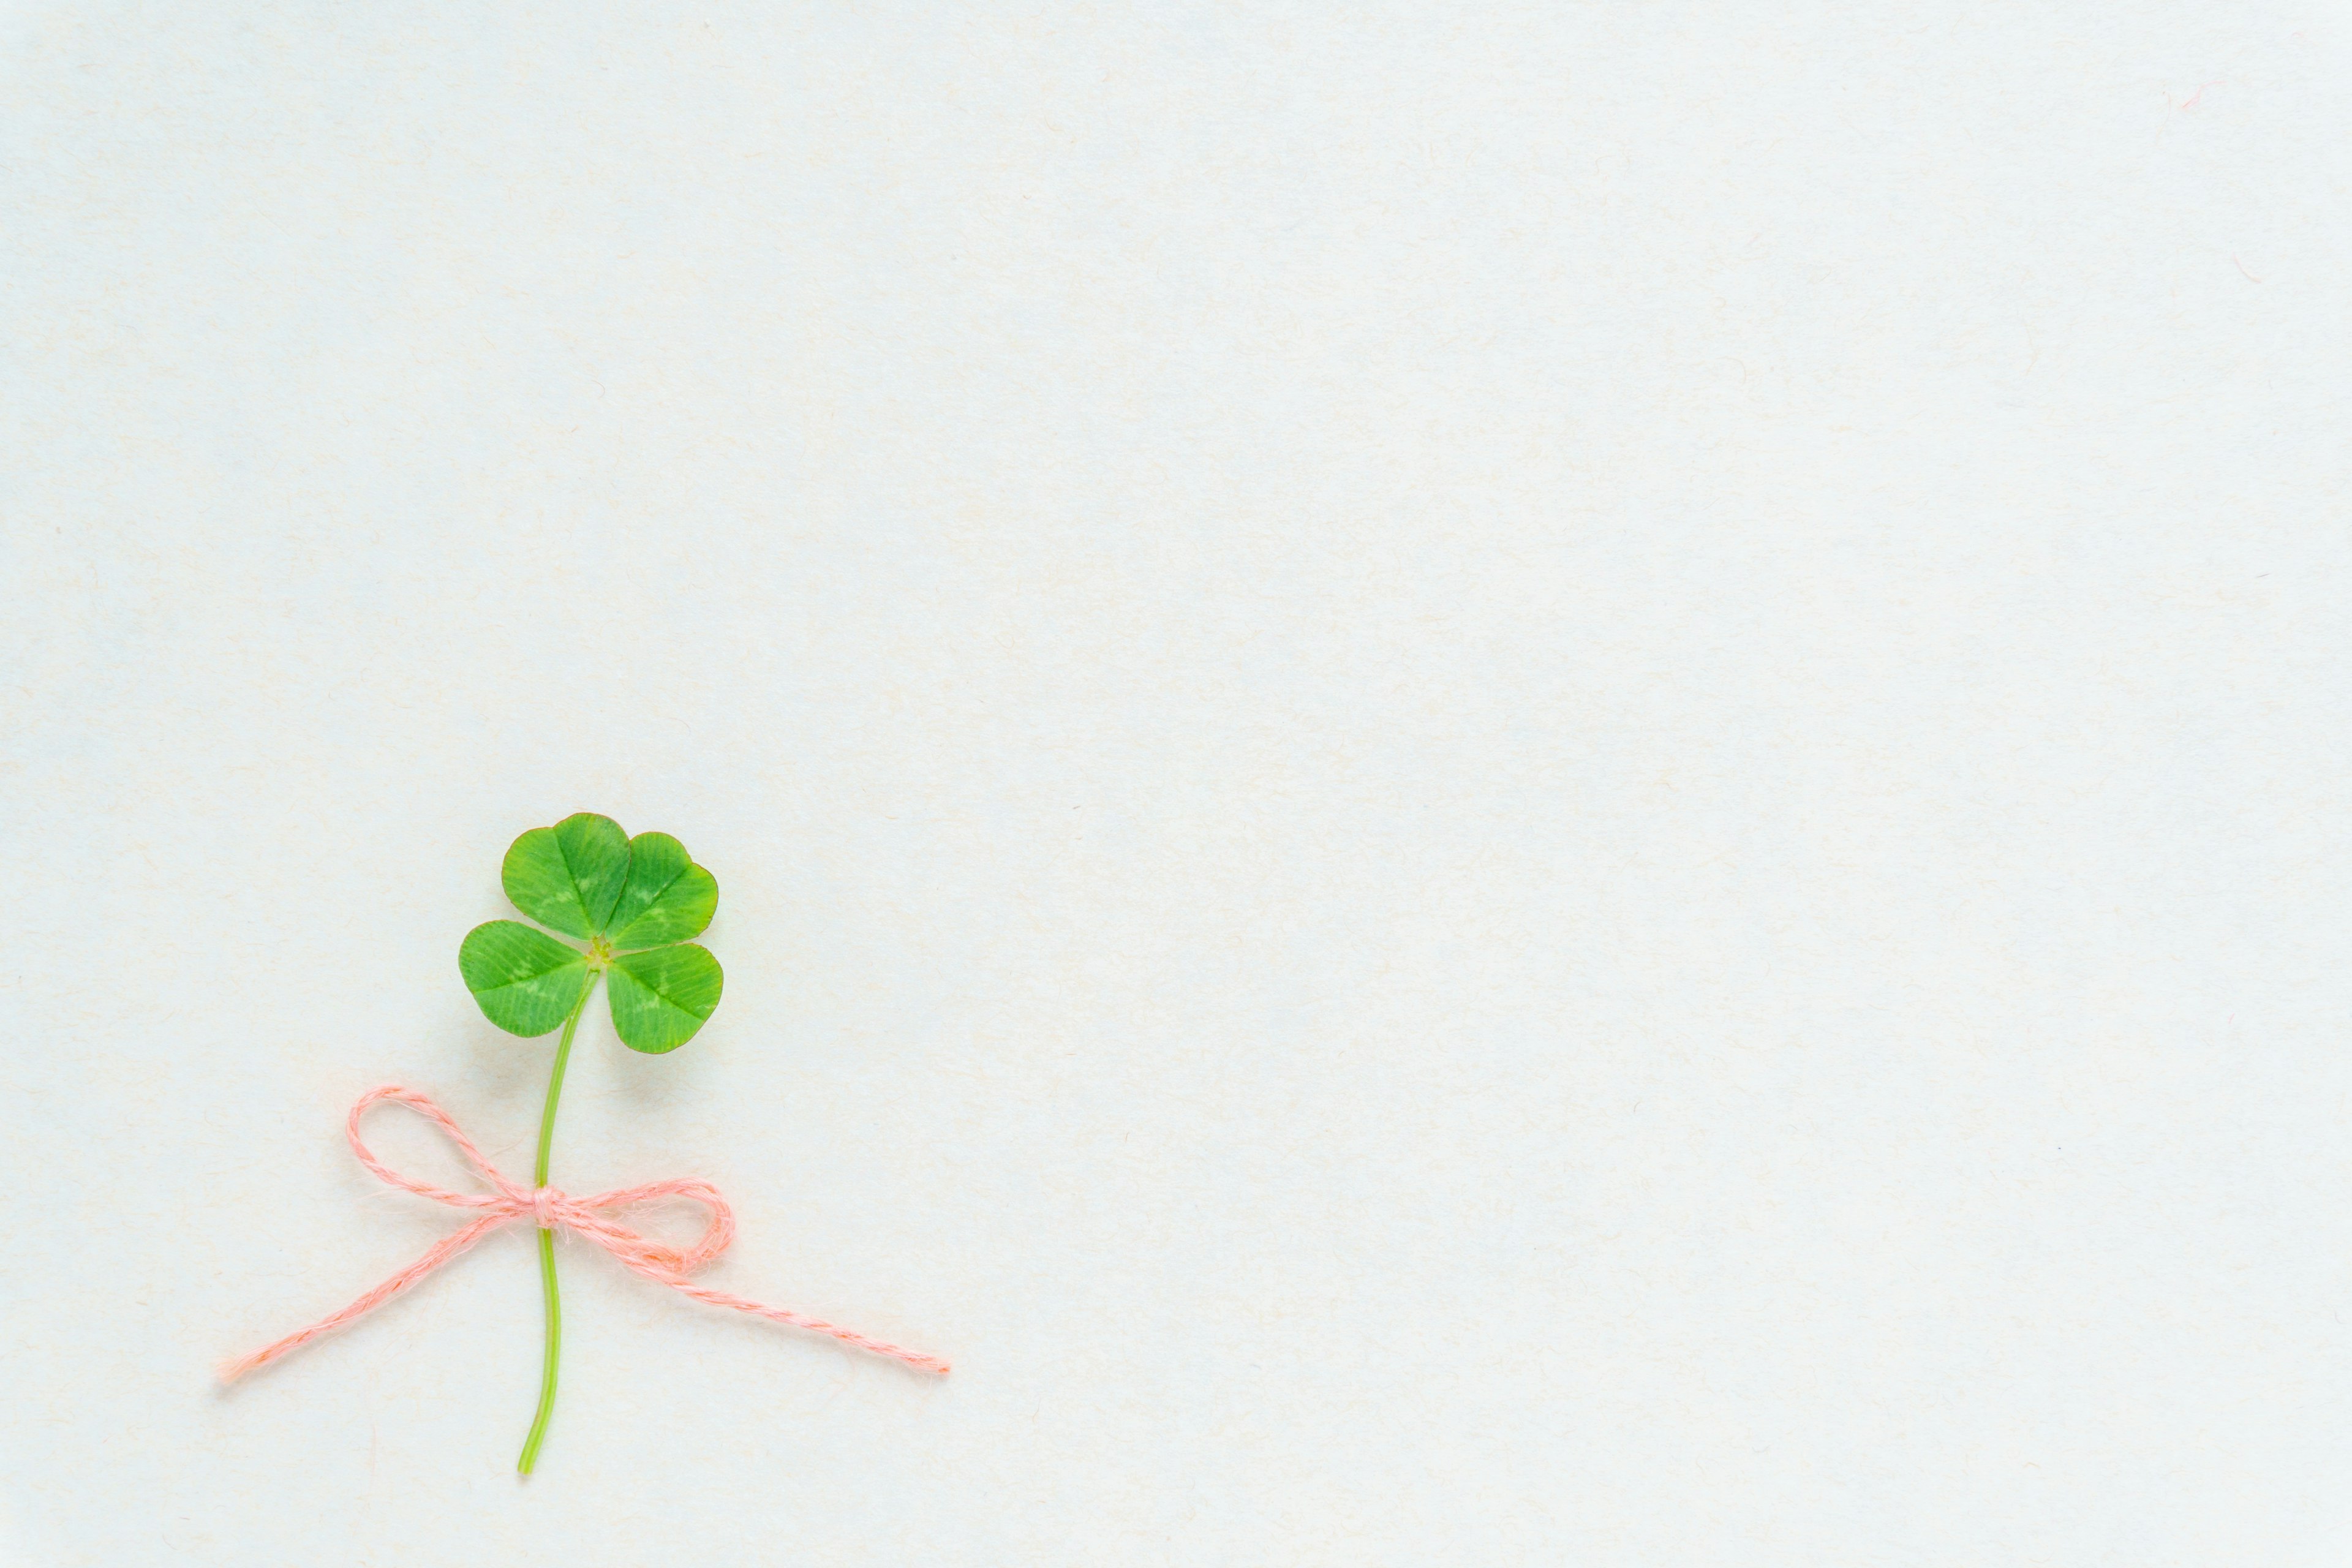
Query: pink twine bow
551, 1209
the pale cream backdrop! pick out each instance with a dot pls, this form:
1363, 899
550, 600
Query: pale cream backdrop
1495, 783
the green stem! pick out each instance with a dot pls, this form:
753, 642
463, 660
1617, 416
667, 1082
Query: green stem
547, 1238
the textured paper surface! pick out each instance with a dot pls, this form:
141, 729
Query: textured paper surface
1495, 783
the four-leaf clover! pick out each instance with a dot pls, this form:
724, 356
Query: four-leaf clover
634, 901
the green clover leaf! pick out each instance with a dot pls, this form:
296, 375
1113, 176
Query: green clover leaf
525, 981
634, 902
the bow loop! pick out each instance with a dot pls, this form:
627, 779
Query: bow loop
718, 1231
503, 1190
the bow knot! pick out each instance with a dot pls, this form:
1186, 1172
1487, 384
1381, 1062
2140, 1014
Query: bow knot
551, 1209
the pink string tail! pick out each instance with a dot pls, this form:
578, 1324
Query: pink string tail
508, 1203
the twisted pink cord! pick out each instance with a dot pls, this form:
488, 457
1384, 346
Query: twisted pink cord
551, 1209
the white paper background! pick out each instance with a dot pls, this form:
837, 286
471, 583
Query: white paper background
1495, 782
